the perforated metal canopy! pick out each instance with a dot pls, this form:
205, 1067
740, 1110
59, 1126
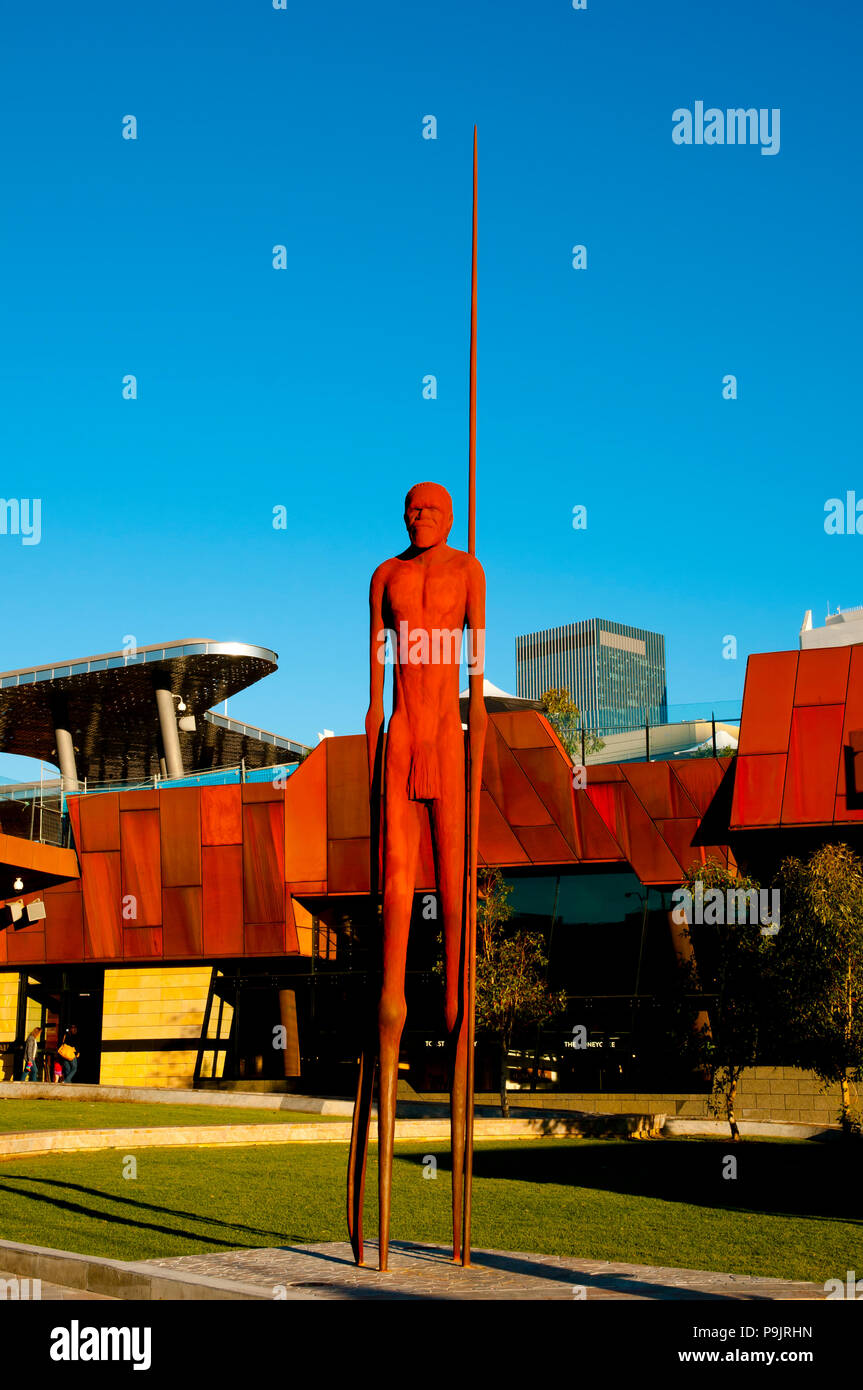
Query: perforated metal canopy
108, 704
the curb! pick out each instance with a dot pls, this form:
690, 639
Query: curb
751, 1129
238, 1100
115, 1279
35, 1142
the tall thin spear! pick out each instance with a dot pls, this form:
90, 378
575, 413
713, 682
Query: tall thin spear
472, 816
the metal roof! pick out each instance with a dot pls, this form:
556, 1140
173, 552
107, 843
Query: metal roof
108, 704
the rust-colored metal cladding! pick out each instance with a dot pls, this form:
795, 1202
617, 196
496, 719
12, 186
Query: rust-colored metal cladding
221, 815
180, 820
699, 779
508, 784
498, 842
223, 900
146, 799
103, 926
140, 858
659, 791
678, 835
348, 870
543, 766
26, 946
292, 942
822, 676
347, 788
544, 844
306, 819
768, 699
596, 843
758, 787
643, 845
264, 862
814, 756
43, 866
64, 925
264, 938
182, 922
853, 720
261, 791
525, 729
142, 943
100, 822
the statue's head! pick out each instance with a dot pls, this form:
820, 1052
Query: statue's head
428, 515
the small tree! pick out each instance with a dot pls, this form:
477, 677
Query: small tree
731, 964
564, 716
820, 959
511, 972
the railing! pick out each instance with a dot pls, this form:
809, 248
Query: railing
210, 777
666, 733
38, 810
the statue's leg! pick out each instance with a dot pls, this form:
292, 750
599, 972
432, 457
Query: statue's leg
448, 838
402, 831
360, 1148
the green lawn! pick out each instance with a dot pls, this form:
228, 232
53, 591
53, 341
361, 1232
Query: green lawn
794, 1211
17, 1115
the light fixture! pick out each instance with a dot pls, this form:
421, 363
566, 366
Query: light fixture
18, 884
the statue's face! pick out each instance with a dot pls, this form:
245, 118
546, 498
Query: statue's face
428, 515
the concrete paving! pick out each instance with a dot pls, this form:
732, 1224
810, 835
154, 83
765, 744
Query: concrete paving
326, 1271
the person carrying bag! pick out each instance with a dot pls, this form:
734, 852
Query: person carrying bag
69, 1054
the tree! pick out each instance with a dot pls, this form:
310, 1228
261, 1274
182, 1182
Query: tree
564, 716
820, 960
731, 964
512, 990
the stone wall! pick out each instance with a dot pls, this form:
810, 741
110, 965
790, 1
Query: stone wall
765, 1093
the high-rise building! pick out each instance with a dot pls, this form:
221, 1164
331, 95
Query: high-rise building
841, 629
614, 673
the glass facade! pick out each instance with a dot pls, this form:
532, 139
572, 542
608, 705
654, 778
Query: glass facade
614, 673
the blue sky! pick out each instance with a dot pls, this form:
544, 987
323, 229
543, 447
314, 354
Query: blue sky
303, 387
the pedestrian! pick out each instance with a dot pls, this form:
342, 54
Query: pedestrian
69, 1053
30, 1045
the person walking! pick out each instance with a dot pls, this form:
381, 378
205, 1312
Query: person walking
30, 1045
68, 1053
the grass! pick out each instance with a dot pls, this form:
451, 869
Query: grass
793, 1212
21, 1115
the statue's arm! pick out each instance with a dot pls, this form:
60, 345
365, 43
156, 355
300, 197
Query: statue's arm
377, 649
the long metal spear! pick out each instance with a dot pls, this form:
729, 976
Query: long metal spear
472, 796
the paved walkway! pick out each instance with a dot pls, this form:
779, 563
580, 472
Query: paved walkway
327, 1271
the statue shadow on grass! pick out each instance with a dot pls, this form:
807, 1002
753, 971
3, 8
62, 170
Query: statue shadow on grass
810, 1181
125, 1205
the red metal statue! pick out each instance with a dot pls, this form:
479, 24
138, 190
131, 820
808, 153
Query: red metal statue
425, 597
